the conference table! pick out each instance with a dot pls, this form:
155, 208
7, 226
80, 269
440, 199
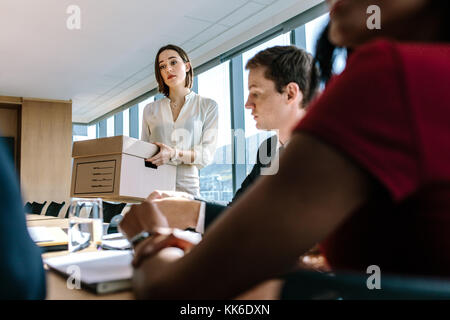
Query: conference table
57, 288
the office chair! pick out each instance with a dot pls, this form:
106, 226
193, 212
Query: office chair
111, 209
114, 224
310, 285
68, 209
36, 207
27, 207
54, 208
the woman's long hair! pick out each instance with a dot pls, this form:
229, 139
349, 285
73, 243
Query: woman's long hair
326, 51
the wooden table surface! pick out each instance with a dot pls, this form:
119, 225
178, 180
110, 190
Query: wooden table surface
39, 217
57, 288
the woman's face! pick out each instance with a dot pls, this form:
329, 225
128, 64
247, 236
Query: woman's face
172, 68
349, 18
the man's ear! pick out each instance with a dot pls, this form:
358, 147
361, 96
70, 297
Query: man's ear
293, 92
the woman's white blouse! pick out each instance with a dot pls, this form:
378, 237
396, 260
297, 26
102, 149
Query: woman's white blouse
195, 129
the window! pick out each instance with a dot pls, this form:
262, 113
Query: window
216, 180
92, 132
110, 127
141, 112
86, 133
253, 136
313, 30
126, 122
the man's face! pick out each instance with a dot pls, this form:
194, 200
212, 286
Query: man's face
267, 104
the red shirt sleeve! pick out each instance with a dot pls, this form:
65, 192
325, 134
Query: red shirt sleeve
365, 114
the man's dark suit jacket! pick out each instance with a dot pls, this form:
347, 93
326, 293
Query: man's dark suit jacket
268, 148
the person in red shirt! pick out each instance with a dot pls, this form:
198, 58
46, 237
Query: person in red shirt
366, 173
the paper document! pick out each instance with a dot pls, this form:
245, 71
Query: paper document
41, 234
118, 244
48, 237
95, 267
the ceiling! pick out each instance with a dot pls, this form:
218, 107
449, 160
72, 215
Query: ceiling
109, 60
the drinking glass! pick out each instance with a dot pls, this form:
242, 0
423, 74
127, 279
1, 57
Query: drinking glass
85, 224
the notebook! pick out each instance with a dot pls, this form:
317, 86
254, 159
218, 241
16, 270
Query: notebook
49, 238
100, 271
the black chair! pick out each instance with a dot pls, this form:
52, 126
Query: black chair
308, 285
36, 208
114, 224
54, 208
68, 209
27, 207
110, 210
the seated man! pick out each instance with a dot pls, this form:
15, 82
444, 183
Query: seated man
21, 270
277, 79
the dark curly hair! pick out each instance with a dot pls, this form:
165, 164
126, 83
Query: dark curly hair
326, 51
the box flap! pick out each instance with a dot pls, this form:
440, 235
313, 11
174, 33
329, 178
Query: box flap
114, 145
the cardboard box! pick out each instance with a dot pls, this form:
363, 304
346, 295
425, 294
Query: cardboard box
114, 169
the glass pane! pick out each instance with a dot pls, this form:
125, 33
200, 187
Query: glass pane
126, 122
79, 138
110, 127
313, 30
92, 132
141, 112
253, 136
216, 181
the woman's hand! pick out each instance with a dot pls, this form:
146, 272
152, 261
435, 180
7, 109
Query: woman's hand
180, 213
162, 194
143, 217
163, 156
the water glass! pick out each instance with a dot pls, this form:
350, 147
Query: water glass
85, 224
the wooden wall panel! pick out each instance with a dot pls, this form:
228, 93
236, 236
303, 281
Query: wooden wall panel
9, 127
10, 100
46, 150
8, 122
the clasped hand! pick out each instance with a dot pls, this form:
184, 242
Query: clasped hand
147, 216
163, 156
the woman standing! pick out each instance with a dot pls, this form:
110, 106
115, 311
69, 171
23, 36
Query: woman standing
183, 124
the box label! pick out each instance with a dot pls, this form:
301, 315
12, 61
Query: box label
95, 177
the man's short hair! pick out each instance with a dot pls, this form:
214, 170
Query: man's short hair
285, 64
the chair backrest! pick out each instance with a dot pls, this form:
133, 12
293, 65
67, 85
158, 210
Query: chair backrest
114, 224
68, 209
27, 208
36, 207
111, 209
54, 208
348, 286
